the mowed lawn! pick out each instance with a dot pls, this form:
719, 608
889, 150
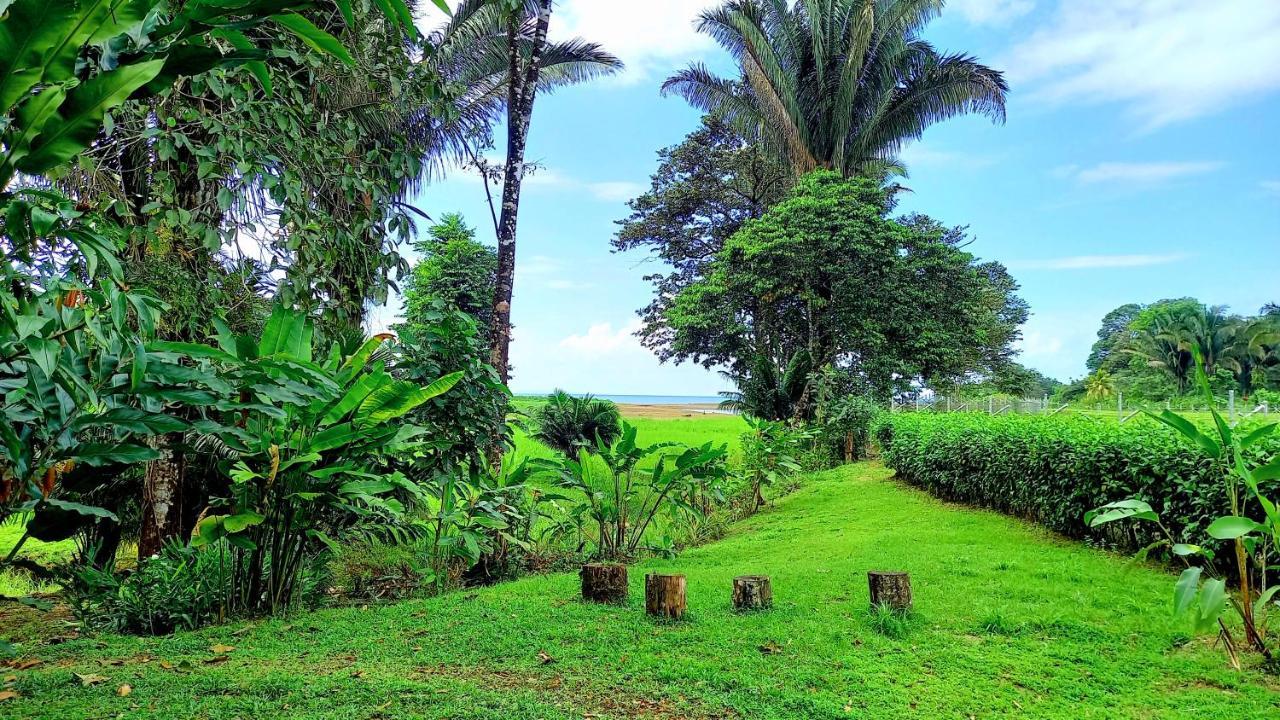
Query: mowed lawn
1011, 622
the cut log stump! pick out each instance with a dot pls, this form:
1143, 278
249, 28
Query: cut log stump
752, 592
664, 595
890, 589
604, 583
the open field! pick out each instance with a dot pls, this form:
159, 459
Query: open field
1011, 622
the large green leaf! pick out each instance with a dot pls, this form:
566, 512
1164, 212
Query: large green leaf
132, 420
100, 454
1184, 591
314, 37
55, 520
194, 350
1231, 527
32, 118
33, 35
1191, 432
81, 115
393, 401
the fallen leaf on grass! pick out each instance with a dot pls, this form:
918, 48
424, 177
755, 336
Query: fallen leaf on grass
770, 648
10, 678
216, 660
221, 649
25, 664
357, 674
124, 690
545, 658
87, 680
8, 695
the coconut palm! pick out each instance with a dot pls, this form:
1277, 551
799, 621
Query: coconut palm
836, 84
1099, 386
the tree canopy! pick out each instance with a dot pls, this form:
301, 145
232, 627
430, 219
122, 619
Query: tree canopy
828, 277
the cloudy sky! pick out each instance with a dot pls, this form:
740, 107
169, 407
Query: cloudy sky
1139, 161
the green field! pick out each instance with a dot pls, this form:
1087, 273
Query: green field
1011, 622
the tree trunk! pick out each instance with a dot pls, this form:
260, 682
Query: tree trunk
848, 447
604, 583
521, 91
752, 592
664, 595
162, 496
891, 590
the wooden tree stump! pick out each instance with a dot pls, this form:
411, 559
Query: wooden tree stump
664, 595
890, 589
604, 583
752, 592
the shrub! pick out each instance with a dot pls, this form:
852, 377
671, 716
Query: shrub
1052, 470
377, 571
845, 427
181, 588
568, 424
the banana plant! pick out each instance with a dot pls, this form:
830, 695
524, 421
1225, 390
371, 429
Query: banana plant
307, 442
1199, 590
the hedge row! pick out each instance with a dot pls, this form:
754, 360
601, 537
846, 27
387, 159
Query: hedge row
1052, 470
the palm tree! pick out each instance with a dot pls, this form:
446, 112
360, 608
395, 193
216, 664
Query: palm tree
1162, 344
498, 52
569, 424
1099, 386
836, 84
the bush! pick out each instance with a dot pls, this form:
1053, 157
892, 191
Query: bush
1052, 470
845, 429
179, 589
378, 571
568, 424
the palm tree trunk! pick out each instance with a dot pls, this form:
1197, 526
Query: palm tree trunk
520, 96
162, 496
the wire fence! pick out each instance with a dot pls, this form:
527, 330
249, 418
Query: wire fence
1116, 408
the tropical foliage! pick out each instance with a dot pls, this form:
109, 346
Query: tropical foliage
825, 278
840, 85
620, 500
569, 424
1149, 350
1246, 480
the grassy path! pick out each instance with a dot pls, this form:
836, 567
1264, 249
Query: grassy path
1011, 623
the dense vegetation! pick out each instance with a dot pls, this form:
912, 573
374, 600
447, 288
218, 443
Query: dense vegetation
1053, 470
1146, 352
201, 202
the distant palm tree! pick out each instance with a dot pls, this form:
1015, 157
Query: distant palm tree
569, 424
1099, 386
836, 84
1162, 344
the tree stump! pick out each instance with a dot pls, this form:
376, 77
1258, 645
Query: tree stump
664, 595
604, 583
890, 589
752, 592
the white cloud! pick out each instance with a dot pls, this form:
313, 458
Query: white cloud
602, 339
652, 37
1164, 60
922, 155
569, 285
1096, 262
991, 12
616, 191
1270, 187
1134, 172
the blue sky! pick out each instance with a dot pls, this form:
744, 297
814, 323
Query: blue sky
1139, 161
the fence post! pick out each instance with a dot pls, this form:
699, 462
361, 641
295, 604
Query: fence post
948, 403
1119, 406
1231, 405
991, 405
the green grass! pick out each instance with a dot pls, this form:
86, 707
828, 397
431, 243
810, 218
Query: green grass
689, 431
1009, 622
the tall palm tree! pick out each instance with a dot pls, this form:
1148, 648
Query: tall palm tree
1162, 344
836, 84
498, 51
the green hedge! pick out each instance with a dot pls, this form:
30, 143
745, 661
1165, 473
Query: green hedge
1052, 470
